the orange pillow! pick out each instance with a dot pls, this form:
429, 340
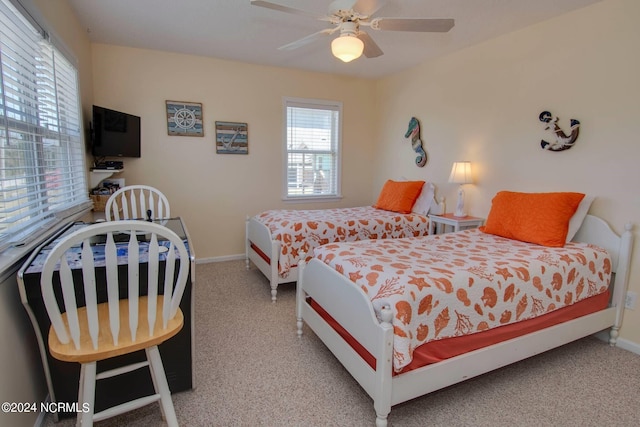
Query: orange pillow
399, 196
541, 218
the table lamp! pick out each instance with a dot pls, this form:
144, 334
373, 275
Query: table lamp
460, 174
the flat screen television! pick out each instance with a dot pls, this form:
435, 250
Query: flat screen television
114, 134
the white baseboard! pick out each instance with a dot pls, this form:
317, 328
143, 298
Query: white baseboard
621, 342
220, 258
628, 345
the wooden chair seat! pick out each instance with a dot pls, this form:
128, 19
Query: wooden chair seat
106, 348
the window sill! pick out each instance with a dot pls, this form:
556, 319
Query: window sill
308, 199
12, 257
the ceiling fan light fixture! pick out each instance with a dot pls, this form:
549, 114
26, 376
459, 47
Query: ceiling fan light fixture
347, 47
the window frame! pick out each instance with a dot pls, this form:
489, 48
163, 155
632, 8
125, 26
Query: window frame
319, 104
55, 209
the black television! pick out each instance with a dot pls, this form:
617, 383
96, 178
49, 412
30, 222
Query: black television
114, 134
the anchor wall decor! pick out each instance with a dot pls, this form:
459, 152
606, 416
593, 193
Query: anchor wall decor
562, 142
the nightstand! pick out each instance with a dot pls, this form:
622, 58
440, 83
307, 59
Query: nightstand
439, 223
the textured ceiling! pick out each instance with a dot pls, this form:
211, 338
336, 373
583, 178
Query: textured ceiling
237, 30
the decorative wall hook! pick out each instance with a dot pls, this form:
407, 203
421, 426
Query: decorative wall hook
562, 142
414, 132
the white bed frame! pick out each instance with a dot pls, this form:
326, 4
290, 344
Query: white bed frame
260, 235
349, 306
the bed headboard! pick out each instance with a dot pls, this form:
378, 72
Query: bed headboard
596, 231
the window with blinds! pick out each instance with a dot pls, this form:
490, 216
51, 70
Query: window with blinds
312, 138
42, 170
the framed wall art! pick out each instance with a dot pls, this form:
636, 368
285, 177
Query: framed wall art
232, 138
184, 118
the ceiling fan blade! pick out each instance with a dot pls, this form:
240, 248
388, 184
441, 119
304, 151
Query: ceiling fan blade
286, 9
306, 40
371, 49
368, 7
412, 24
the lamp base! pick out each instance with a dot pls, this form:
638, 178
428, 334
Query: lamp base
459, 212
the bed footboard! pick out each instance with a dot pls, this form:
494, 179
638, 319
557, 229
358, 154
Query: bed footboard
348, 305
264, 251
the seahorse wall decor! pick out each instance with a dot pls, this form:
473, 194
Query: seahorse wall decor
562, 142
414, 132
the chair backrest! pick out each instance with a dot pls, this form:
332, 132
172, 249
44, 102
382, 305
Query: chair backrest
137, 202
79, 251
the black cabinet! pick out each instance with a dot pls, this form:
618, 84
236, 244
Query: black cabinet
63, 377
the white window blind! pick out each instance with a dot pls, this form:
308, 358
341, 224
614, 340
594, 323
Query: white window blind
42, 170
313, 130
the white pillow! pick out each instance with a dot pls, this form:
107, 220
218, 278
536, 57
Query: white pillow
437, 208
576, 220
423, 203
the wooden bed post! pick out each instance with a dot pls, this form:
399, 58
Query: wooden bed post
384, 366
300, 293
273, 280
246, 242
622, 276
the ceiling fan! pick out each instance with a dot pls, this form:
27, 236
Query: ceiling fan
348, 17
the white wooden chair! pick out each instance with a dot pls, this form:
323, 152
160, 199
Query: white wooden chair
125, 323
137, 202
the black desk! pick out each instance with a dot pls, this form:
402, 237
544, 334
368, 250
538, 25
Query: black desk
63, 377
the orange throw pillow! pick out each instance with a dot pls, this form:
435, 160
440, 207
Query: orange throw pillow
541, 218
399, 196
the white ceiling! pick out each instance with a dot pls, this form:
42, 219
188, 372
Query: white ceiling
236, 30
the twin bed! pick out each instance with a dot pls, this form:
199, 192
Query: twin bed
276, 239
413, 315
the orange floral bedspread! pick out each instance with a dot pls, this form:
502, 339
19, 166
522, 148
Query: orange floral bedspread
303, 230
456, 284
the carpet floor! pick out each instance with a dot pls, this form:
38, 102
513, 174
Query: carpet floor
251, 369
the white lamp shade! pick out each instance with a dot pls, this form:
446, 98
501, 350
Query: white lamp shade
461, 173
347, 48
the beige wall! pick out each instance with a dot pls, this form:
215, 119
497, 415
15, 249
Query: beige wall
482, 104
212, 192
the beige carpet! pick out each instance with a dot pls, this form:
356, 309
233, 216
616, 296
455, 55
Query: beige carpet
252, 370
